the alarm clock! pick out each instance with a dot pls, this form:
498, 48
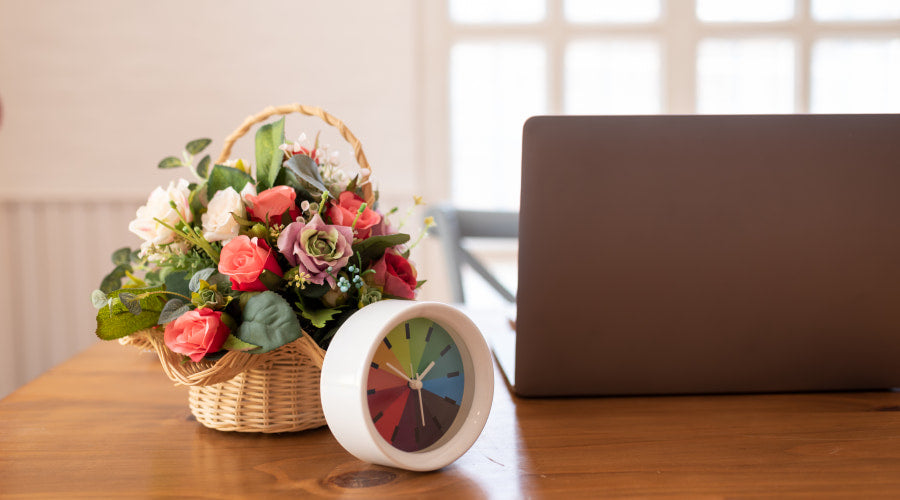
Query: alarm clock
407, 384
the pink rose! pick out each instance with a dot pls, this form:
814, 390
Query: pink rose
315, 246
243, 259
395, 275
196, 333
343, 212
272, 204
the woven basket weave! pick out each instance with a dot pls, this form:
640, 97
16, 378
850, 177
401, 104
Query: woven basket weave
277, 391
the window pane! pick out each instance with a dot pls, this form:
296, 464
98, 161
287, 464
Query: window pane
855, 76
745, 76
611, 11
857, 10
745, 10
497, 11
612, 77
494, 88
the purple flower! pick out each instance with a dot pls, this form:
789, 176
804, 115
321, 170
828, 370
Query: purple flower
315, 246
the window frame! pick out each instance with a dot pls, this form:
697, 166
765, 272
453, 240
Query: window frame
678, 30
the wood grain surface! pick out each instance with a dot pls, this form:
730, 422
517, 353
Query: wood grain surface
109, 424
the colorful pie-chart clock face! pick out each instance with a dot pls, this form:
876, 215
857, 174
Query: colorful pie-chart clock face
407, 384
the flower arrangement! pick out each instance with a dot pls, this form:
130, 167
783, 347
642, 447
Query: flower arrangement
246, 259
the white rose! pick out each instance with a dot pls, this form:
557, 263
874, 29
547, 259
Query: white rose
218, 224
158, 207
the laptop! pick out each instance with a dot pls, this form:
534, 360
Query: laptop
706, 254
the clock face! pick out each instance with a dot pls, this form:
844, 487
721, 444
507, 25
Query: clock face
415, 384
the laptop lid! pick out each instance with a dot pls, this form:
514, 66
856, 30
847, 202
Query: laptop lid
708, 254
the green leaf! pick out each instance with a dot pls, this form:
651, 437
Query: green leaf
177, 282
121, 256
172, 310
222, 177
306, 170
420, 283
113, 280
197, 145
115, 321
268, 156
233, 343
373, 248
318, 317
130, 301
203, 167
288, 178
203, 274
170, 162
269, 322
195, 199
98, 299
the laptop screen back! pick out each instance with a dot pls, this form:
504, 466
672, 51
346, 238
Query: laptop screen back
709, 254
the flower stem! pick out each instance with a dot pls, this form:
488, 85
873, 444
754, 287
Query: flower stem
362, 208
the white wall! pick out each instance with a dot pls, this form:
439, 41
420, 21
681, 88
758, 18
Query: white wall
96, 92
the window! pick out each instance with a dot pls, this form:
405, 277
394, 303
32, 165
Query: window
490, 64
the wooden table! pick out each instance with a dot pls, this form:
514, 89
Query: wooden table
108, 423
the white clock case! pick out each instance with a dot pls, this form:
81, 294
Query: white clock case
345, 371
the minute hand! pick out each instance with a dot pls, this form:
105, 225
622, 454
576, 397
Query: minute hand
427, 369
399, 372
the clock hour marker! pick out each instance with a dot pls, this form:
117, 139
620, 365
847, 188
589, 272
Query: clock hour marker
394, 435
387, 343
407, 329
374, 365
428, 335
376, 418
452, 374
446, 349
370, 392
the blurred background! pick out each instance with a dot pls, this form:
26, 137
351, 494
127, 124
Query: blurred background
93, 93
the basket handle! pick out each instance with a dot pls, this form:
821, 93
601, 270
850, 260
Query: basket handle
205, 373
368, 193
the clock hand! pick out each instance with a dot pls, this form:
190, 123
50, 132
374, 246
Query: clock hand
427, 369
421, 408
399, 372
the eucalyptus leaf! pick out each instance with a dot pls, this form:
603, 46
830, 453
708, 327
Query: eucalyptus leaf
202, 274
172, 310
113, 280
268, 154
306, 169
197, 145
98, 299
269, 322
130, 301
203, 167
170, 162
121, 256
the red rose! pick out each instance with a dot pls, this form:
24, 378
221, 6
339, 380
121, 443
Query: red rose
395, 275
243, 259
273, 203
343, 212
196, 333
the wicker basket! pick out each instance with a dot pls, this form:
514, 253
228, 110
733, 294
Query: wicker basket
277, 391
